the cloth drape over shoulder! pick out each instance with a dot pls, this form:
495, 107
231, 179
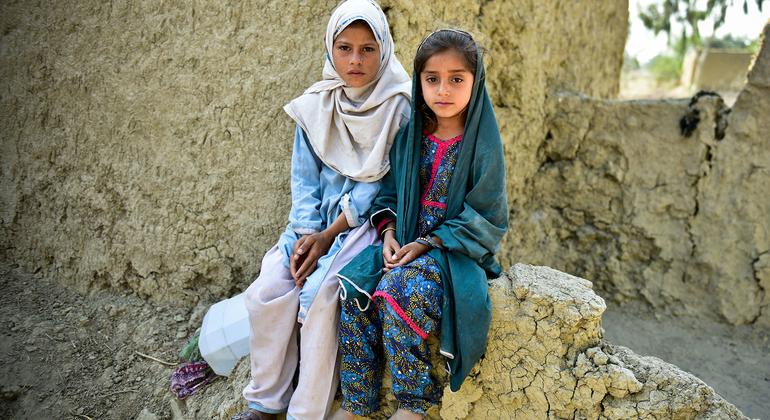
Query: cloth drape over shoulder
352, 129
476, 220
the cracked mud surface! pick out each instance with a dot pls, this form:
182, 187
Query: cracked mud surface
545, 357
735, 361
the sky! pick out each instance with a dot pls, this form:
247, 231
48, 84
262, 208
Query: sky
644, 45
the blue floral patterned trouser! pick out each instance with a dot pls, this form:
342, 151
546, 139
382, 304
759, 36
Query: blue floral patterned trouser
408, 309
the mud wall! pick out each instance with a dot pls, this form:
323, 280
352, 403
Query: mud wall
732, 229
143, 144
622, 197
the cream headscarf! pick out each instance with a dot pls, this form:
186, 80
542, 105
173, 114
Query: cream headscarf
351, 129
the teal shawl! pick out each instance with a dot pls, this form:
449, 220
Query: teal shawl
476, 220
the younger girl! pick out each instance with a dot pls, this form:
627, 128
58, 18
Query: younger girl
441, 212
346, 124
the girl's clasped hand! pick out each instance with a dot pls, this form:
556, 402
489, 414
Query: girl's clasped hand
395, 255
305, 254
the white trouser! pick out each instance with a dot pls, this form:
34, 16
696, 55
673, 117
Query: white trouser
272, 301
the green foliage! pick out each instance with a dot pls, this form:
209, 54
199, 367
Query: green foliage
665, 68
730, 42
660, 16
668, 67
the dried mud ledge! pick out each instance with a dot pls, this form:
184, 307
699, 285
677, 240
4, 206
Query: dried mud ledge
545, 359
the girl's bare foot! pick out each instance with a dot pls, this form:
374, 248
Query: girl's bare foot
402, 414
341, 414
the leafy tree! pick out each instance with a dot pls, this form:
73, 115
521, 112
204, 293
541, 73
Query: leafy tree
729, 42
660, 16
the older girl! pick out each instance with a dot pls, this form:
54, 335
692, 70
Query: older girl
345, 127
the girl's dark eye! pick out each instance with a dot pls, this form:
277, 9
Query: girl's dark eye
430, 79
457, 79
343, 48
368, 49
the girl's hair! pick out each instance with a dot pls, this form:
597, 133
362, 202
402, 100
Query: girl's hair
360, 23
437, 42
356, 23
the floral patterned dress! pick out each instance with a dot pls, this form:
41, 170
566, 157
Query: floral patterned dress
409, 300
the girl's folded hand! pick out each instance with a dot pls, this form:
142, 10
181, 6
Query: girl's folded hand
406, 254
307, 250
390, 247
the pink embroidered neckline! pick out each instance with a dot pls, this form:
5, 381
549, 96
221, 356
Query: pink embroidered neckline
438, 157
435, 139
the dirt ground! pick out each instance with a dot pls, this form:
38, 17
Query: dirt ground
64, 355
72, 356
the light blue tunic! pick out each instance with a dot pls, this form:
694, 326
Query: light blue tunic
318, 196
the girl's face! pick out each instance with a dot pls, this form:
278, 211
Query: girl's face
356, 55
446, 84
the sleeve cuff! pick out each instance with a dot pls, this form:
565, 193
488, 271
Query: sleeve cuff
386, 212
351, 214
304, 230
382, 223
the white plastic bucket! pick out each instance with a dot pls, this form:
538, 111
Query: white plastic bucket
224, 335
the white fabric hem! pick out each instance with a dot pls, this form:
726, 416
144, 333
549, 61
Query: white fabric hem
304, 231
351, 215
371, 218
447, 354
344, 292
